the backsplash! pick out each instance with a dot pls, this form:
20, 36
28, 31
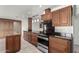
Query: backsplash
64, 29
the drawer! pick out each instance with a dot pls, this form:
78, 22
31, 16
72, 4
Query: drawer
59, 41
55, 50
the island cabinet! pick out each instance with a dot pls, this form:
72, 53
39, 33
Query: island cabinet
13, 43
59, 45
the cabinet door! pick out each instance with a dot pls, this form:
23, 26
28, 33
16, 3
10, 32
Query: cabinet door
55, 18
17, 43
13, 43
9, 44
48, 16
29, 36
34, 39
29, 24
25, 35
42, 17
59, 45
65, 16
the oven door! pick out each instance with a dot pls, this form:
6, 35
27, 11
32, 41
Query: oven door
42, 48
43, 44
43, 41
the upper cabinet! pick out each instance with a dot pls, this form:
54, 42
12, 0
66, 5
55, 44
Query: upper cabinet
62, 17
65, 16
29, 24
47, 16
55, 18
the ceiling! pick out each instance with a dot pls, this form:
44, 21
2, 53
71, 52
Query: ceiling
22, 11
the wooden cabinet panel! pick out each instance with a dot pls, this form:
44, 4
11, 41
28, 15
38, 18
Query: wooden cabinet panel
31, 37
65, 16
25, 35
29, 24
34, 39
55, 18
62, 17
46, 17
59, 45
17, 43
49, 16
9, 44
13, 43
43, 17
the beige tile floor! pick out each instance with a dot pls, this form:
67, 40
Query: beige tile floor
26, 47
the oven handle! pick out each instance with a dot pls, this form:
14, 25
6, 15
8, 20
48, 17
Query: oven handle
39, 44
43, 38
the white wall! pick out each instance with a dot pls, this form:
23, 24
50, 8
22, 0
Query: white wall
76, 29
75, 21
35, 26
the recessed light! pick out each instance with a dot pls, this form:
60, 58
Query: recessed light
40, 6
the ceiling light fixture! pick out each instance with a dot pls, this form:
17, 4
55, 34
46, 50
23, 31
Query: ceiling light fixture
40, 6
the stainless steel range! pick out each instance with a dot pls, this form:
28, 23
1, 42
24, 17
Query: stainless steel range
42, 43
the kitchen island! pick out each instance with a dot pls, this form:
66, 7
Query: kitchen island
13, 43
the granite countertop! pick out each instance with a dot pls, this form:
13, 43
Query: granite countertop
37, 32
14, 33
63, 37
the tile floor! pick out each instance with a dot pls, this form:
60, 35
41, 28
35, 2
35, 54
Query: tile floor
26, 47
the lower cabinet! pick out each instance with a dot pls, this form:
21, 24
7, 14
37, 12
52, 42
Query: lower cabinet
34, 39
13, 43
30, 37
59, 45
25, 35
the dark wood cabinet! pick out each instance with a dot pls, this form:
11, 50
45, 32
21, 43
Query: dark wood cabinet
34, 39
30, 37
43, 17
25, 35
17, 43
29, 24
62, 17
13, 43
46, 17
55, 18
59, 45
65, 16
